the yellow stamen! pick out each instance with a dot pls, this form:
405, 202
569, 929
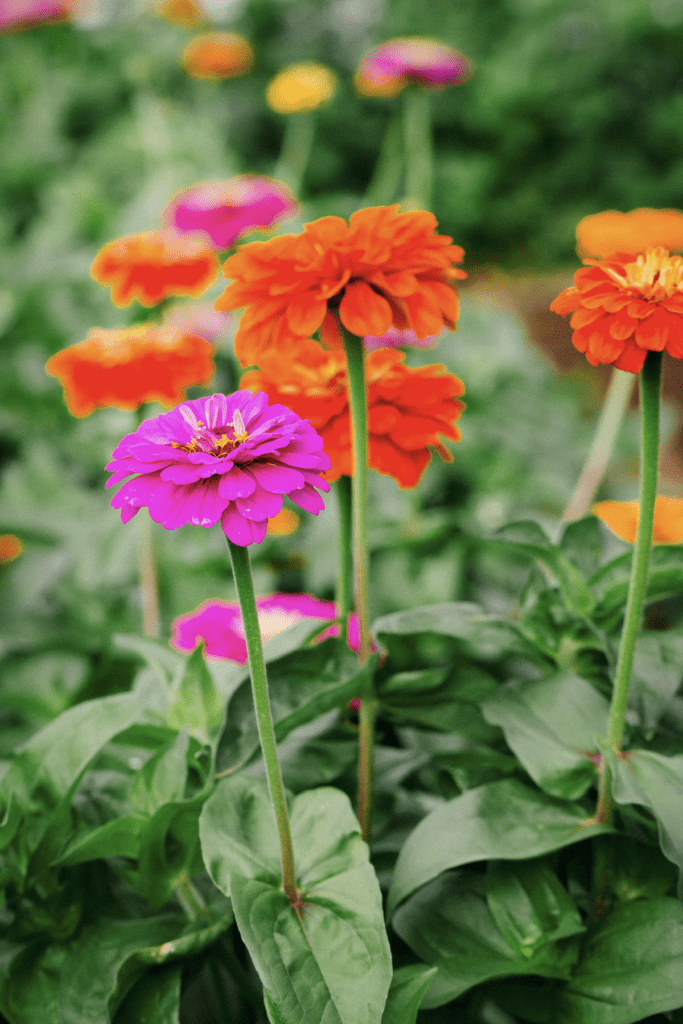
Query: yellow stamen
655, 274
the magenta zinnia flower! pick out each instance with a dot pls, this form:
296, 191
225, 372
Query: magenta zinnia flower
219, 624
224, 210
388, 68
227, 458
395, 337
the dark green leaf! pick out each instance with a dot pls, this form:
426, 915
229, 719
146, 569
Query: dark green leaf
581, 543
486, 636
631, 968
155, 999
656, 782
551, 725
408, 987
529, 537
505, 819
610, 583
657, 673
119, 837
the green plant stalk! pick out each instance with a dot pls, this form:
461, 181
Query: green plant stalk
386, 177
417, 142
611, 415
297, 144
241, 568
345, 578
650, 383
355, 359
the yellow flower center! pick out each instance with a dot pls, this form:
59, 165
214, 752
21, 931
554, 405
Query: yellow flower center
655, 274
212, 443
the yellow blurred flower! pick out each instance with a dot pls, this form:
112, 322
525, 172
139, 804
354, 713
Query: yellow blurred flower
217, 55
622, 518
285, 522
300, 87
10, 547
180, 12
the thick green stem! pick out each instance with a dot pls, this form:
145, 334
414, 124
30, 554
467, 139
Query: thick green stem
345, 578
244, 585
650, 378
417, 141
386, 177
355, 359
296, 149
611, 415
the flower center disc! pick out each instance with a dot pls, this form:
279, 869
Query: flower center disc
655, 274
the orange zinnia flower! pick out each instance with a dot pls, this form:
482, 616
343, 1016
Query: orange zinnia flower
604, 234
408, 408
382, 269
625, 306
622, 517
153, 265
218, 55
130, 366
180, 12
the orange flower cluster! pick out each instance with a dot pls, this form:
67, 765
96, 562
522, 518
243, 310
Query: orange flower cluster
128, 367
408, 408
153, 265
625, 306
217, 55
382, 269
622, 517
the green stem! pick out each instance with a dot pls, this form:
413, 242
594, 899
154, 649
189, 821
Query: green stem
650, 378
241, 569
417, 141
297, 144
386, 177
611, 415
345, 579
355, 360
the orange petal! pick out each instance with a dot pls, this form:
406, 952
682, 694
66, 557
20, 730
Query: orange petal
363, 311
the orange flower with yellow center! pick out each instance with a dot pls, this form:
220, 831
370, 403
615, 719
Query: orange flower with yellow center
153, 265
127, 367
622, 517
626, 306
409, 409
382, 269
218, 55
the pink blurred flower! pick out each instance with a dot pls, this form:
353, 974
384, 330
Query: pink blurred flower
199, 318
224, 210
20, 14
223, 458
388, 68
219, 624
396, 338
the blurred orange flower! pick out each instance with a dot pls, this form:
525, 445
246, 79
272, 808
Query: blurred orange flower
626, 306
180, 12
408, 408
218, 55
153, 265
130, 366
622, 518
11, 547
604, 234
382, 269
285, 522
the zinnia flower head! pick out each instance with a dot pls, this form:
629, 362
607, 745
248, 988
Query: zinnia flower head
187, 13
400, 339
382, 269
227, 459
224, 210
300, 87
622, 517
11, 547
388, 68
409, 409
23, 14
153, 265
218, 624
605, 234
626, 306
125, 368
217, 55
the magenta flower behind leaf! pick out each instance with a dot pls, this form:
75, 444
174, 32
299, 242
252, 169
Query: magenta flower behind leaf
397, 338
388, 68
218, 624
224, 210
227, 459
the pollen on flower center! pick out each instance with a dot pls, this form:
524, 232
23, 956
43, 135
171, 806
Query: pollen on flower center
216, 442
655, 274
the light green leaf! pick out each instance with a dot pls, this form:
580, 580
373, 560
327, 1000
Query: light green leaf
529, 537
199, 706
486, 636
656, 782
408, 987
530, 905
657, 673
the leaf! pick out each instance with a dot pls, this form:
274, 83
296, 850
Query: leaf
155, 999
117, 838
199, 706
530, 905
408, 987
551, 725
487, 637
156, 653
162, 778
656, 782
581, 543
631, 968
504, 819
610, 583
657, 674
529, 537
449, 924
334, 963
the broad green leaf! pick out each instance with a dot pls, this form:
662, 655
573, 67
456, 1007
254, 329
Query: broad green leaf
551, 725
610, 583
631, 967
530, 905
656, 782
581, 543
529, 537
657, 673
199, 706
505, 820
486, 636
449, 924
161, 779
157, 653
334, 963
119, 837
155, 999
408, 987
451, 706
